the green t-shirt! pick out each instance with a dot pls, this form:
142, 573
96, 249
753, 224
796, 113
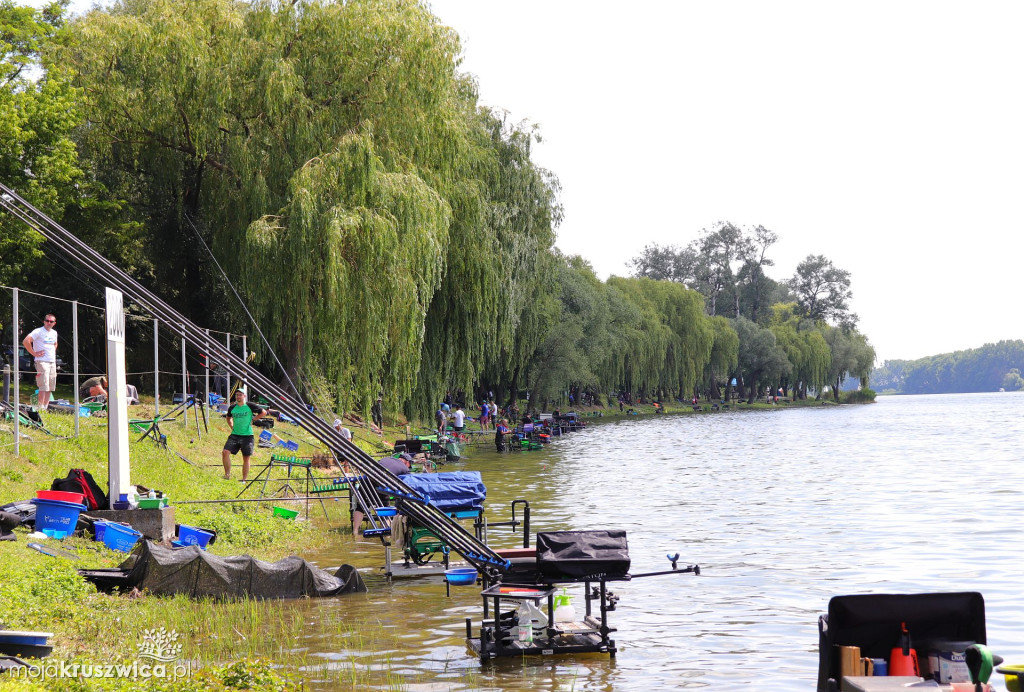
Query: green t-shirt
241, 420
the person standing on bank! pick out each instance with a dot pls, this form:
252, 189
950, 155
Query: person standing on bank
42, 343
377, 414
240, 416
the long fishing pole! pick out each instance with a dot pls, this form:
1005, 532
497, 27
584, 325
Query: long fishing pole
474, 550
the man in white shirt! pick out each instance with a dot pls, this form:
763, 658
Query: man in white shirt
345, 432
459, 419
42, 343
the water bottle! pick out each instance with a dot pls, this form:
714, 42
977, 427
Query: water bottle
152, 494
564, 611
525, 623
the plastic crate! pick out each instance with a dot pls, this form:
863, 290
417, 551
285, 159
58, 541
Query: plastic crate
122, 538
190, 535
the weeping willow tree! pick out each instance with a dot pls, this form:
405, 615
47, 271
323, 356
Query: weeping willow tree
363, 245
497, 275
692, 336
724, 355
647, 343
332, 148
805, 347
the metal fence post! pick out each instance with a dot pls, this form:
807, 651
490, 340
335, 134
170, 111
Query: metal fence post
74, 358
156, 367
17, 374
184, 380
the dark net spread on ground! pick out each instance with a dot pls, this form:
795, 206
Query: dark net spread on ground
194, 572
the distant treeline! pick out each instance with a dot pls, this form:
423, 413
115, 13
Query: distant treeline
987, 369
389, 234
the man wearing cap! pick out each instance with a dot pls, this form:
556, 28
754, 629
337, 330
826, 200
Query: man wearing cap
345, 432
240, 415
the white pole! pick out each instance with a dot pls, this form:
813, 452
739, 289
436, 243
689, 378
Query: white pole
118, 466
206, 394
227, 344
156, 368
74, 358
245, 357
17, 375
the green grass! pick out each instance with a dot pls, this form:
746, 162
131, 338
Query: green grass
234, 645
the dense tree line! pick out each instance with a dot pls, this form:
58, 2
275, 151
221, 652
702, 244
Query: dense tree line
987, 369
389, 234
798, 335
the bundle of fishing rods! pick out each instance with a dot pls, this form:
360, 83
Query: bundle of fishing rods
413, 504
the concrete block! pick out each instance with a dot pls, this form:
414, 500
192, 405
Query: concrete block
155, 524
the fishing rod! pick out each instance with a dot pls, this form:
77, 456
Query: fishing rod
473, 550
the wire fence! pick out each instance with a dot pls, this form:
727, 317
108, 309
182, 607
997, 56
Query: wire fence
81, 354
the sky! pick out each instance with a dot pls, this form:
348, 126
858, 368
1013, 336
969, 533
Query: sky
886, 136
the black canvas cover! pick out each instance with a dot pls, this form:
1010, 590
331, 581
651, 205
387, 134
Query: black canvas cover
583, 555
872, 622
191, 571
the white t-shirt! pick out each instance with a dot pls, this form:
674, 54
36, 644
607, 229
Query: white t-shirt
460, 418
346, 433
46, 340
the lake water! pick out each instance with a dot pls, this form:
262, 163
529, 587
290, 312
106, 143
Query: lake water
781, 509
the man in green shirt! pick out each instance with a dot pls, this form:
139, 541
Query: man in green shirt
240, 415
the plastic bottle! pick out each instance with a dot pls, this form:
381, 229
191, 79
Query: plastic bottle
525, 623
564, 611
152, 494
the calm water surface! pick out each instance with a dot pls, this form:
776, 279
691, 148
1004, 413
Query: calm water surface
781, 509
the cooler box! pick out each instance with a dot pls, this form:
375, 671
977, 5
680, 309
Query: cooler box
582, 555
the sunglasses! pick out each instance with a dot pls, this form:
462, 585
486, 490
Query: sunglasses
51, 321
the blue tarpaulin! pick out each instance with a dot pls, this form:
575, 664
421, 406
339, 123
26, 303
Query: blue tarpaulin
451, 490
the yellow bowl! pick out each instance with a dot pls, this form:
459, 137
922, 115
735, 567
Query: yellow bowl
1012, 676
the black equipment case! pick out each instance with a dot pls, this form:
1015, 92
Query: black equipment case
872, 622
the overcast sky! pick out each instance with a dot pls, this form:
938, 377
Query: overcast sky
884, 135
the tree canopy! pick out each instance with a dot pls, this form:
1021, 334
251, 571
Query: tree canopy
389, 234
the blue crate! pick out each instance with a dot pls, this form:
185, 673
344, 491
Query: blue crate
118, 537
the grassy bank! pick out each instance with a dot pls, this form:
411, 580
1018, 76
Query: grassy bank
235, 645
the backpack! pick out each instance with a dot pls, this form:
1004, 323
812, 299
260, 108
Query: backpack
81, 481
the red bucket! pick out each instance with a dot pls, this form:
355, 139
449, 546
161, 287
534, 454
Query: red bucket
61, 496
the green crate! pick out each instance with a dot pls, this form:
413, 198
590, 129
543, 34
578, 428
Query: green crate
152, 503
285, 513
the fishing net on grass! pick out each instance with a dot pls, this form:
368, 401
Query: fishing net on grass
194, 572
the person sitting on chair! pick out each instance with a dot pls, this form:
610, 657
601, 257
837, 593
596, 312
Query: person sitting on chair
400, 464
94, 387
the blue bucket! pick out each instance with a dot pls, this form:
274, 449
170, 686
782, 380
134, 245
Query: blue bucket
461, 576
57, 515
118, 537
99, 527
189, 535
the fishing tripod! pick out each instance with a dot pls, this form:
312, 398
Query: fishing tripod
189, 402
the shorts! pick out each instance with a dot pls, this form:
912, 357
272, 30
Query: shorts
458, 428
245, 443
46, 376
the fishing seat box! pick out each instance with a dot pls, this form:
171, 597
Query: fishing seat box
582, 555
872, 622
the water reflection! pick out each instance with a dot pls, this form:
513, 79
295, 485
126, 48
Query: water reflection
782, 510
